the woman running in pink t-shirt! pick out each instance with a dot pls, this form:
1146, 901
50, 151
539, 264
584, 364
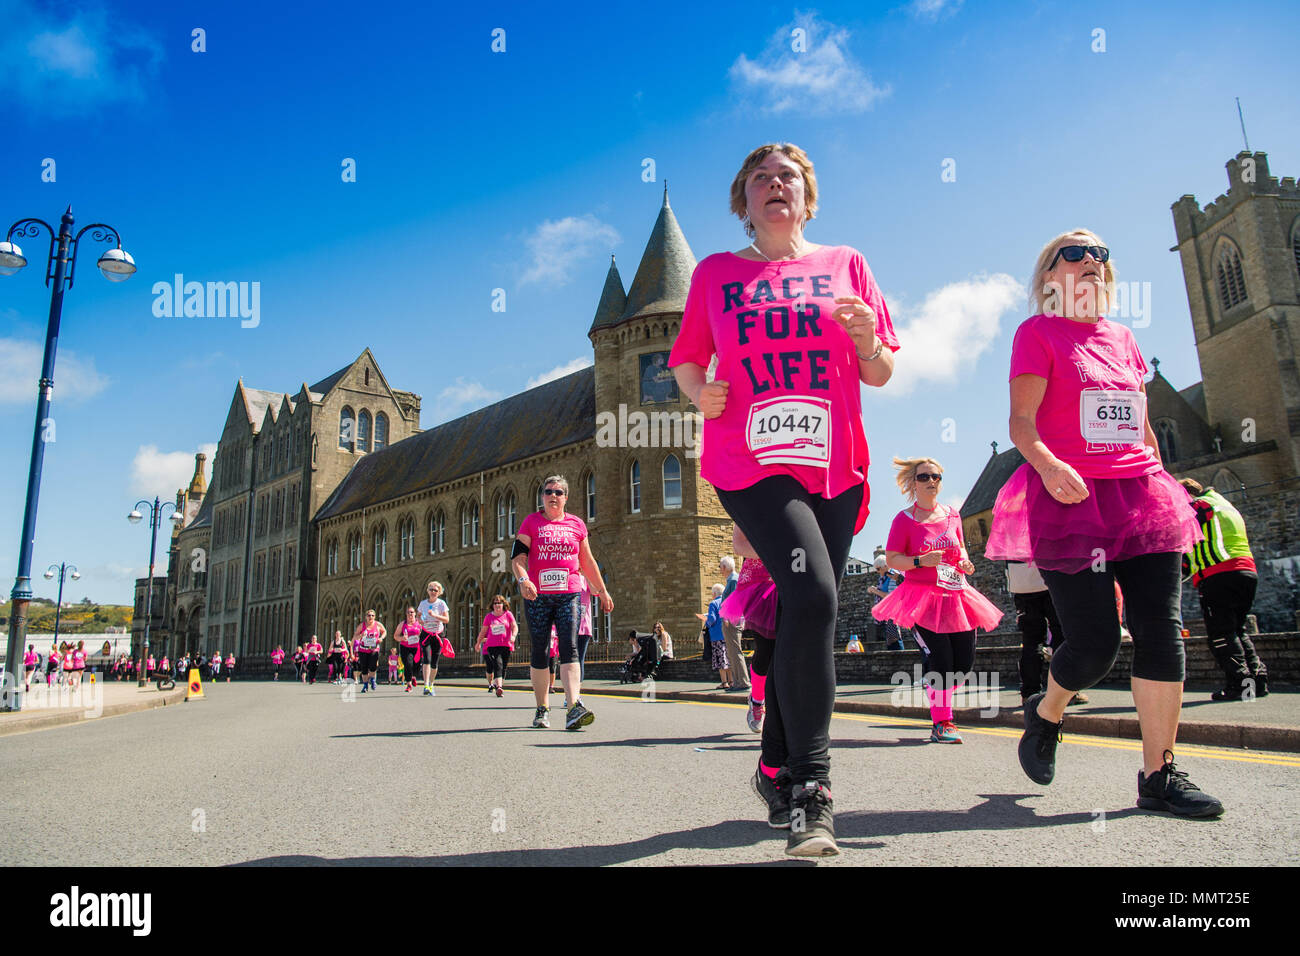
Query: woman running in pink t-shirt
408, 636
29, 665
496, 639
369, 637
935, 600
796, 329
1094, 506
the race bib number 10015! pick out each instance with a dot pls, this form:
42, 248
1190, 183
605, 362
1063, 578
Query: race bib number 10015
794, 430
1112, 416
553, 579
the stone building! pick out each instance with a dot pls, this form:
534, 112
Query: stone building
1237, 429
279, 457
159, 635
446, 503
187, 562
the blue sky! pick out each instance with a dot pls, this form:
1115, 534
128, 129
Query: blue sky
523, 170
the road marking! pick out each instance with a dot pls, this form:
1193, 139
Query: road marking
1267, 757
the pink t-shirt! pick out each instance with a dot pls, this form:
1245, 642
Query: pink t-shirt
78, 659
230, 661
277, 657
499, 628
368, 642
794, 404
1094, 378
29, 659
409, 634
313, 651
915, 538
553, 552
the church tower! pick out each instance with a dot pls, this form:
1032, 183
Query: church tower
1241, 264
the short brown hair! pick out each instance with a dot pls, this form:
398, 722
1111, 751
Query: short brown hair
752, 162
1192, 485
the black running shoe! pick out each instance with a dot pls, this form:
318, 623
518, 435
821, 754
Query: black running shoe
578, 717
1169, 789
812, 823
775, 793
1038, 744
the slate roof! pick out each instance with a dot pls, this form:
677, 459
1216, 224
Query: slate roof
664, 276
613, 300
995, 474
202, 518
1194, 395
322, 387
258, 401
553, 415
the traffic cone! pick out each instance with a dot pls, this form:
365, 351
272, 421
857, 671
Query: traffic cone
195, 690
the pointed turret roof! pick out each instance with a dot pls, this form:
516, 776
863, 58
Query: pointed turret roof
613, 300
664, 275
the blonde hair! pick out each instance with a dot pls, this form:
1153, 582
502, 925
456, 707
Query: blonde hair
436, 584
906, 476
753, 161
1043, 294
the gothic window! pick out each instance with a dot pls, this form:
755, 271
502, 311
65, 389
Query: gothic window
473, 523
512, 515
501, 517
408, 538
290, 569
591, 496
381, 431
1167, 438
332, 557
438, 532
363, 431
1228, 275
464, 526
539, 497
635, 487
380, 550
354, 552
1225, 480
672, 482
347, 428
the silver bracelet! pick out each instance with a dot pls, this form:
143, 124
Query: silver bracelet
874, 355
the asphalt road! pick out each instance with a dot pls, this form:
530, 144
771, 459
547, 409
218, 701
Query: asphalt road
283, 774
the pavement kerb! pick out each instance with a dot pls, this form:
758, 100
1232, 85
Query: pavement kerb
76, 715
1235, 736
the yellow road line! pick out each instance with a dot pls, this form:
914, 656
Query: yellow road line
1267, 757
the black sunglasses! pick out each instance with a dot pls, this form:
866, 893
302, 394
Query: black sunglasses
1075, 254
928, 478
553, 491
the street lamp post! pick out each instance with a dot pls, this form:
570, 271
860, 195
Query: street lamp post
60, 272
61, 570
155, 519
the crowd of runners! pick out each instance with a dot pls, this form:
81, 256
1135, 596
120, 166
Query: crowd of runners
787, 455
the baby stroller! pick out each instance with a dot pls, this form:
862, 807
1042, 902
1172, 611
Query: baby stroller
644, 666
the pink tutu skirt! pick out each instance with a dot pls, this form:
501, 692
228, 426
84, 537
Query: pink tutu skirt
1121, 518
753, 606
938, 609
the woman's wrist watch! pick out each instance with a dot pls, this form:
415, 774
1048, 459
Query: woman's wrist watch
880, 347
916, 562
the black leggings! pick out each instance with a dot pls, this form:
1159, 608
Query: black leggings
1226, 598
562, 610
1085, 603
949, 654
803, 540
408, 661
1035, 617
497, 660
761, 662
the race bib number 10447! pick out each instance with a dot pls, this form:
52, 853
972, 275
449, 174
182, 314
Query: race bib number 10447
793, 430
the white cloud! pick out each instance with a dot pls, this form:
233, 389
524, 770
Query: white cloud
950, 330
460, 397
933, 9
560, 245
811, 72
75, 65
559, 371
160, 473
75, 378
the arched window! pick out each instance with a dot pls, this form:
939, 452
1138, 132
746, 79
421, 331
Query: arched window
540, 496
363, 431
1167, 438
591, 496
438, 532
512, 515
381, 431
634, 483
464, 526
672, 482
406, 530
473, 523
381, 546
1228, 276
468, 616
501, 517
347, 428
354, 552
1225, 480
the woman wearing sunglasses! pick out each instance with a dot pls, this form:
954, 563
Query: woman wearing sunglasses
550, 550
1094, 505
797, 328
434, 615
944, 612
